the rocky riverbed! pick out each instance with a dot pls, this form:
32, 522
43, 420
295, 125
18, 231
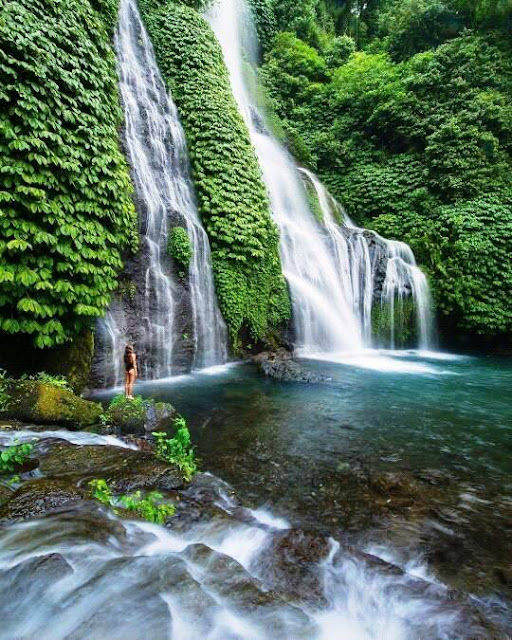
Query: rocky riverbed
213, 556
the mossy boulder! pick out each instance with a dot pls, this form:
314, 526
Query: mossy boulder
138, 416
42, 403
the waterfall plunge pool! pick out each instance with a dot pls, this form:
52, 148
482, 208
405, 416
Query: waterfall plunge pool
374, 505
404, 453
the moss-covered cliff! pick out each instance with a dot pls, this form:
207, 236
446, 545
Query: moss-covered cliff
65, 193
232, 199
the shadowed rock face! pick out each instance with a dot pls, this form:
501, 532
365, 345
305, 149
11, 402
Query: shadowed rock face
40, 496
129, 312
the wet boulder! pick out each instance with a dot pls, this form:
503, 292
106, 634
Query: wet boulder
291, 564
27, 582
42, 403
40, 496
204, 499
125, 470
159, 416
5, 493
279, 365
137, 416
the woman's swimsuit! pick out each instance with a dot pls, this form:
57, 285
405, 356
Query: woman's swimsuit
128, 364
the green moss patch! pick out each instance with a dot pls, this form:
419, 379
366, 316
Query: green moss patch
34, 401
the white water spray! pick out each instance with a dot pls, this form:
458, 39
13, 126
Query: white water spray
323, 315
359, 252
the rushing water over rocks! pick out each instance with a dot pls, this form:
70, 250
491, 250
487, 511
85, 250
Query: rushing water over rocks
403, 455
173, 318
377, 273
218, 570
331, 270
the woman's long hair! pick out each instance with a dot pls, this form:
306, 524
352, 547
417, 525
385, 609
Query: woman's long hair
129, 350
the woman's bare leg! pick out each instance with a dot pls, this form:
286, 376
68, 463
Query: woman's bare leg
126, 384
131, 382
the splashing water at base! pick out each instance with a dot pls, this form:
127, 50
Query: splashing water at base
87, 575
323, 316
359, 254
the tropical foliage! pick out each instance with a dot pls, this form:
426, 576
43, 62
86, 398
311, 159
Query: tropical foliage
405, 111
179, 246
177, 450
14, 457
65, 194
149, 507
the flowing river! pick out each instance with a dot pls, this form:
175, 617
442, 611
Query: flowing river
373, 504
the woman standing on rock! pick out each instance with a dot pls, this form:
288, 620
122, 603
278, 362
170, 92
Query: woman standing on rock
130, 368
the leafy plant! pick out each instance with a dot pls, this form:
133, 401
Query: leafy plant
14, 456
179, 246
148, 507
55, 380
65, 188
4, 396
177, 450
127, 290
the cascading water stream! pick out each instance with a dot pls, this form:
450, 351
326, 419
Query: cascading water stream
323, 315
359, 253
157, 153
330, 269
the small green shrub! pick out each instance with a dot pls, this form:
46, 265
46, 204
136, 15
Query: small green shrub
14, 456
133, 405
177, 450
179, 246
57, 381
148, 506
127, 290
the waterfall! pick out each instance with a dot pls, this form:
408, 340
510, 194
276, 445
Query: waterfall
322, 311
157, 153
360, 253
332, 270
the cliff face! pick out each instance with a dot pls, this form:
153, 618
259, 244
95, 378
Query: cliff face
232, 199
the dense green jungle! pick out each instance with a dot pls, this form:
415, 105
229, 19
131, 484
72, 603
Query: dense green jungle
255, 319
402, 108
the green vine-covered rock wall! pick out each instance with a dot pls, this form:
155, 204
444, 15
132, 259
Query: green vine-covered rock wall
232, 198
65, 192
